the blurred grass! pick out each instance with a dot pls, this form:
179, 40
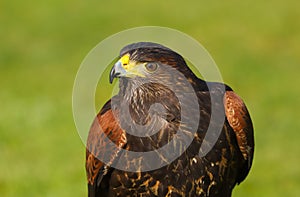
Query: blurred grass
42, 43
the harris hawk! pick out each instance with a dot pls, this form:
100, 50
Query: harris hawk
162, 102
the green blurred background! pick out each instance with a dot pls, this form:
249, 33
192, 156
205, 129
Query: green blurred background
256, 45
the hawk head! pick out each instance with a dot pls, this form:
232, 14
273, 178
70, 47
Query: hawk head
149, 61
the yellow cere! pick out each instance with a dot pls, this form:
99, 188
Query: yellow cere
125, 61
130, 66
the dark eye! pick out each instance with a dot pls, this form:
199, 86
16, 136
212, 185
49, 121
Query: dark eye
151, 66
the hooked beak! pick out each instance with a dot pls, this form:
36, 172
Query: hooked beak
117, 71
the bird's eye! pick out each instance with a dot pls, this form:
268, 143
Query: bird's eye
151, 66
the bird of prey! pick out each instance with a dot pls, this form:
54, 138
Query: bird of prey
162, 102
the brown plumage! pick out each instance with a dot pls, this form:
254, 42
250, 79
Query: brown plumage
151, 78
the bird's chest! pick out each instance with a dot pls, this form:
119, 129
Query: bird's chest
188, 175
180, 178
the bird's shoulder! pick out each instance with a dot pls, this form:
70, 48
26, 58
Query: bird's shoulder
237, 119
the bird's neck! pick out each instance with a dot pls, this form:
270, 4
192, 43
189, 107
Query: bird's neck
145, 110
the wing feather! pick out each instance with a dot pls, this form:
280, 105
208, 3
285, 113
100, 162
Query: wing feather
105, 128
239, 119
